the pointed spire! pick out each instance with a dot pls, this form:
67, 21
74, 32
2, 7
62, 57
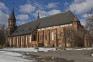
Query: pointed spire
75, 18
12, 16
38, 15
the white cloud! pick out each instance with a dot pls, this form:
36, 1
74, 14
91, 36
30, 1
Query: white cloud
3, 18
3, 7
39, 6
84, 18
81, 6
22, 17
21, 22
87, 15
46, 13
66, 3
4, 14
27, 8
52, 5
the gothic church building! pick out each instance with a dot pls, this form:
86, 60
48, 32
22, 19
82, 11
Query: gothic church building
43, 32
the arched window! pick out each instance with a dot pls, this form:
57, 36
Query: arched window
10, 41
52, 36
30, 38
34, 37
17, 40
46, 36
40, 36
26, 40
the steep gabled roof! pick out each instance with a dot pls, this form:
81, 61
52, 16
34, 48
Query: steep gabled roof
54, 20
26, 28
57, 19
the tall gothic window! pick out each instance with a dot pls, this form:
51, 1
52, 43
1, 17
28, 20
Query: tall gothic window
17, 40
40, 36
34, 37
26, 40
30, 38
10, 42
52, 36
46, 36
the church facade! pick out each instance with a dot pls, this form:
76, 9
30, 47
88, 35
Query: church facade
45, 32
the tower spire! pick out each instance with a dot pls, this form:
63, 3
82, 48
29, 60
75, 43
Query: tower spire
38, 15
12, 16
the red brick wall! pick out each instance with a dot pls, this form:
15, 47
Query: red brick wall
56, 42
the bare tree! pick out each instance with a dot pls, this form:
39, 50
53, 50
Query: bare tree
89, 26
64, 36
72, 37
2, 35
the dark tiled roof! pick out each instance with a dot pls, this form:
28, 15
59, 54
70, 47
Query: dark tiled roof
54, 20
57, 19
12, 16
26, 28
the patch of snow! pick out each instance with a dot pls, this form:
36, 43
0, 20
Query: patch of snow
79, 48
47, 49
13, 54
69, 48
1, 51
22, 49
30, 49
92, 55
11, 57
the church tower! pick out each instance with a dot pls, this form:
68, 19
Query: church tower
11, 24
76, 23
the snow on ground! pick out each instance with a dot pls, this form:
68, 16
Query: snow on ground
12, 57
46, 49
30, 49
79, 48
42, 49
12, 53
22, 49
92, 55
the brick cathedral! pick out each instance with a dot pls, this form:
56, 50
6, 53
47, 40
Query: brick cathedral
44, 32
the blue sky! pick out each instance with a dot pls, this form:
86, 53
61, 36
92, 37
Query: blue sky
26, 10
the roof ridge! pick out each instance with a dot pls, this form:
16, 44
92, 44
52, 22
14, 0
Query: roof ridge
55, 14
46, 17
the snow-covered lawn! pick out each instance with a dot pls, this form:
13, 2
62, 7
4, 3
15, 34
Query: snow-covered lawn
11, 53
12, 57
30, 49
79, 48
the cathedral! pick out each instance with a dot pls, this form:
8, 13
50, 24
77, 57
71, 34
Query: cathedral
45, 32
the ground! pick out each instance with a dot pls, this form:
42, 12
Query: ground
11, 57
47, 55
